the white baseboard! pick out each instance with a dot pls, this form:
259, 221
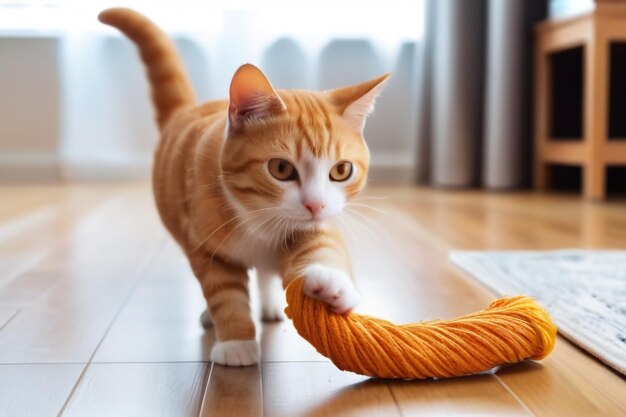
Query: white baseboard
378, 174
24, 167
388, 174
29, 167
107, 171
392, 168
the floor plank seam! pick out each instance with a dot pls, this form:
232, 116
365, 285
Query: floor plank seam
10, 319
596, 388
299, 361
206, 388
395, 400
514, 395
59, 244
70, 395
145, 362
141, 270
41, 363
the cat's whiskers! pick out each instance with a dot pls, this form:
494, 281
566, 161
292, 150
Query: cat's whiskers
366, 218
363, 205
217, 209
370, 197
363, 231
230, 234
215, 212
288, 230
344, 225
266, 225
282, 231
254, 229
237, 217
246, 221
361, 221
249, 234
276, 235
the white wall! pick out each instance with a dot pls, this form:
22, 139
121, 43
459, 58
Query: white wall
92, 116
29, 108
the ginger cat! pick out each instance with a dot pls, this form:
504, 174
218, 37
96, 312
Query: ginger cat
251, 182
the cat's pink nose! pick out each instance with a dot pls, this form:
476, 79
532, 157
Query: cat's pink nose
314, 207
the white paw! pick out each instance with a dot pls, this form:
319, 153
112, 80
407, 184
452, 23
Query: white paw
235, 353
205, 319
331, 286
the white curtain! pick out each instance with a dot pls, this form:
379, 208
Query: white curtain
106, 127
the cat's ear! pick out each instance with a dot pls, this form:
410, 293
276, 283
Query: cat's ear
252, 97
356, 102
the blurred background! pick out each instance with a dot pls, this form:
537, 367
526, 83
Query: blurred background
457, 113
99, 308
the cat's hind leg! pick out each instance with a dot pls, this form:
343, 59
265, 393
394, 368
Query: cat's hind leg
272, 295
225, 288
205, 319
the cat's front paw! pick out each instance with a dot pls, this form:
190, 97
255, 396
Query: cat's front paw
235, 353
331, 286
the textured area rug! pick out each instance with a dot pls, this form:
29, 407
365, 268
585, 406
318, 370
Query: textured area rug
585, 291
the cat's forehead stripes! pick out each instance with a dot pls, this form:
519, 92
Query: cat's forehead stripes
312, 118
311, 133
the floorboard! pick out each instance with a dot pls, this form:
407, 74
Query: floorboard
551, 387
160, 321
36, 390
316, 389
139, 389
99, 309
481, 395
233, 392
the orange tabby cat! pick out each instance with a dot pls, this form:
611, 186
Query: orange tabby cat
250, 182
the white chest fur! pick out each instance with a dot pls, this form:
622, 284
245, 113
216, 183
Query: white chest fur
254, 251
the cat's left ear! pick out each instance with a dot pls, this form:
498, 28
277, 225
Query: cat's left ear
356, 102
252, 97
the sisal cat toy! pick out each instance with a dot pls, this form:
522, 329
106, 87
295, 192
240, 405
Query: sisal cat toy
510, 330
246, 182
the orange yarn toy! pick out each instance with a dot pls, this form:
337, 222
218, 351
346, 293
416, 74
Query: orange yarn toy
510, 330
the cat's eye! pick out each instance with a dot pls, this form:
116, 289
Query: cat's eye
341, 171
282, 169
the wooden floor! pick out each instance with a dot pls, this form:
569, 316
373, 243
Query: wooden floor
99, 311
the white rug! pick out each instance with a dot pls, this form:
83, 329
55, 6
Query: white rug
584, 291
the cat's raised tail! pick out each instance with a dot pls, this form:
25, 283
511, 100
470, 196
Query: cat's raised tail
171, 89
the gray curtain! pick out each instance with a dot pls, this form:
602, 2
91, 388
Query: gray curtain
475, 81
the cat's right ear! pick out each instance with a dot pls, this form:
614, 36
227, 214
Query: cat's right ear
252, 98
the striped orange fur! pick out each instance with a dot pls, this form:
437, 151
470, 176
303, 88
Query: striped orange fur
218, 196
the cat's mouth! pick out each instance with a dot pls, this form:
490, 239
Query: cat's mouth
314, 224
298, 222
306, 224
